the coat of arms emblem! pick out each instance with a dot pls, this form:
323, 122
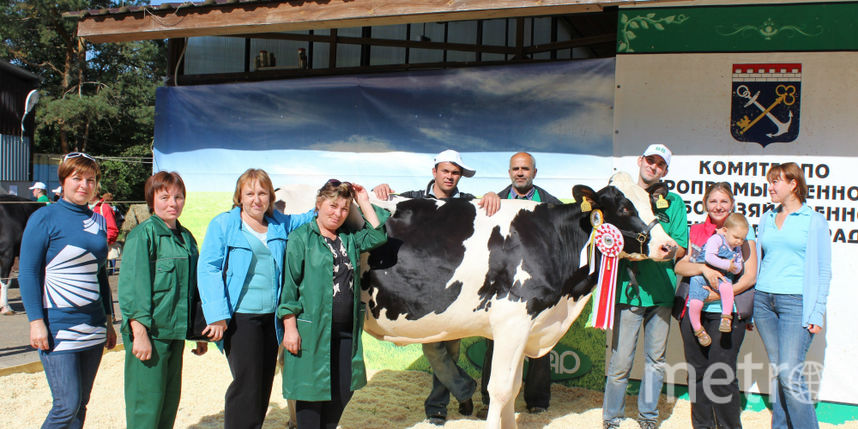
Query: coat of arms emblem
766, 101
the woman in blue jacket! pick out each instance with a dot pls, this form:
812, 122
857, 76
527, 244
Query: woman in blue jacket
239, 277
794, 248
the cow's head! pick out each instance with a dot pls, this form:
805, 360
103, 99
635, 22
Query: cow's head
628, 207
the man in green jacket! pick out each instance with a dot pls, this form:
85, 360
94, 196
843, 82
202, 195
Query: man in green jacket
644, 299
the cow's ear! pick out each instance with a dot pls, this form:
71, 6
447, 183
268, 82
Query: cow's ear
657, 189
658, 194
583, 193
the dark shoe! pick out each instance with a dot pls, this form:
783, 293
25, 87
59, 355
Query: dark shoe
648, 424
536, 410
466, 408
438, 420
483, 412
611, 425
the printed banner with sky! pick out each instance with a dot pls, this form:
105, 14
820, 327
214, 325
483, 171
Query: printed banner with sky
386, 128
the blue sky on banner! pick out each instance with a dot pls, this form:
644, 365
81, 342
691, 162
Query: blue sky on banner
387, 127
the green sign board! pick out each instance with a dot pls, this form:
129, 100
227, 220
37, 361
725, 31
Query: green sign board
739, 28
566, 362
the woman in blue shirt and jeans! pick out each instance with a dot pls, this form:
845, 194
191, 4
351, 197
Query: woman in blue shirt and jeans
794, 248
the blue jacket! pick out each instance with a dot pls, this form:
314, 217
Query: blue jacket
225, 260
817, 263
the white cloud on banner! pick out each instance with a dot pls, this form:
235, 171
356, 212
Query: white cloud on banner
354, 143
450, 138
540, 87
584, 126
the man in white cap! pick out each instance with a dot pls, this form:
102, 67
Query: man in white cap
447, 376
645, 292
58, 193
40, 192
446, 173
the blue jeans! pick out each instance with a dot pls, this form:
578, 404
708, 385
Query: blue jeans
70, 376
447, 377
627, 324
778, 320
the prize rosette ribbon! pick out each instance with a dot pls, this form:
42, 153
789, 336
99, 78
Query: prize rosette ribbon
609, 241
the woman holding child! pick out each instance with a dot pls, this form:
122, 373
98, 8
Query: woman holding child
716, 404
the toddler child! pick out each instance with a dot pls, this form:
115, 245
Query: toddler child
723, 251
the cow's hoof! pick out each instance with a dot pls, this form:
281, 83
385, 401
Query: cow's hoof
536, 410
7, 311
438, 420
466, 408
483, 412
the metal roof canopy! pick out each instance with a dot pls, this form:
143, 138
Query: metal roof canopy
232, 17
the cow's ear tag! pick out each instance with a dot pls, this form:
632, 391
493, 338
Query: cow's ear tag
596, 218
585, 205
661, 203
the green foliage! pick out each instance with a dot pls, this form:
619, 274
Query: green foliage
125, 179
98, 98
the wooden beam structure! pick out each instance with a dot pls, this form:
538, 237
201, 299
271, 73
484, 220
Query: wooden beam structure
213, 18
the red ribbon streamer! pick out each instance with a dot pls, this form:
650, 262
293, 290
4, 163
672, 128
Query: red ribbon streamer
609, 241
608, 292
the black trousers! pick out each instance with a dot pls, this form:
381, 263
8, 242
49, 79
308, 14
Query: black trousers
326, 414
250, 343
715, 405
537, 380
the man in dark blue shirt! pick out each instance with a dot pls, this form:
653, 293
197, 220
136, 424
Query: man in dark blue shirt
537, 381
447, 376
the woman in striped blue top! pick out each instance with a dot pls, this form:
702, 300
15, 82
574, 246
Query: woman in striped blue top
65, 291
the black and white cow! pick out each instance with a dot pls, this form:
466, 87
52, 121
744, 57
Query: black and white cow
448, 271
14, 212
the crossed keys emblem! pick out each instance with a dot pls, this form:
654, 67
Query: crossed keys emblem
785, 95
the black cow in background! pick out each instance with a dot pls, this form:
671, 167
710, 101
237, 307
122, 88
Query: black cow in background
14, 212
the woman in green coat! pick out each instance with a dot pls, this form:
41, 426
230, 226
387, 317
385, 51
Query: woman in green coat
156, 282
321, 308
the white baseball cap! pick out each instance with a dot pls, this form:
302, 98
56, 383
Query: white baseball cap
660, 150
452, 156
59, 190
39, 185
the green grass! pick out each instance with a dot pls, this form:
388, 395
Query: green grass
590, 342
201, 208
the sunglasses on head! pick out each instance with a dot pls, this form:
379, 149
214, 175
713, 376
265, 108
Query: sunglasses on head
71, 155
336, 183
